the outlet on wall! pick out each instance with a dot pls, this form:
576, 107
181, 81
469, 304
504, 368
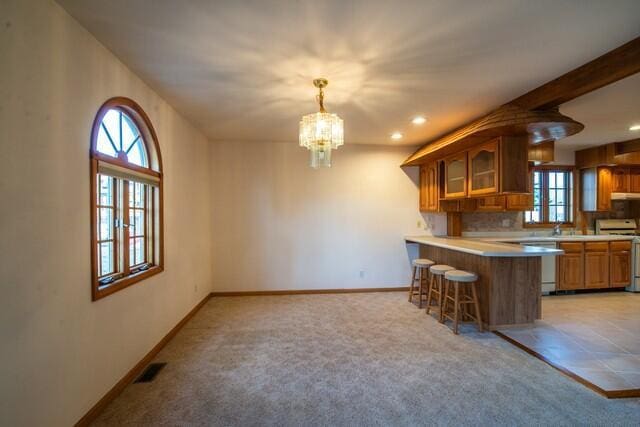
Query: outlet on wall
362, 274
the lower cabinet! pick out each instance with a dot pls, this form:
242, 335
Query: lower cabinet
594, 265
570, 267
620, 264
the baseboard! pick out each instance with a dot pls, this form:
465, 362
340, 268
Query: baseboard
137, 369
307, 291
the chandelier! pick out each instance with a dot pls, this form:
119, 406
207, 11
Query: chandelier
321, 132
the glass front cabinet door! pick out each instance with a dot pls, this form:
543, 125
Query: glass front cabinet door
455, 176
483, 169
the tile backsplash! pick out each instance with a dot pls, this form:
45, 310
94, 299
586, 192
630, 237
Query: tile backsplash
492, 221
513, 221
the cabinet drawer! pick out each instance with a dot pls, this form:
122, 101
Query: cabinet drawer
620, 246
571, 247
596, 246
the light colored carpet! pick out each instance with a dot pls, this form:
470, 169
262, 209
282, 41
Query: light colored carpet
351, 359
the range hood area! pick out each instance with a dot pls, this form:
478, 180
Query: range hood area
625, 196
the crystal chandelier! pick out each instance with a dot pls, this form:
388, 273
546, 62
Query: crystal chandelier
321, 132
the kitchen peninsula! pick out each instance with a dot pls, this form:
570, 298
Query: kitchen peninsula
508, 275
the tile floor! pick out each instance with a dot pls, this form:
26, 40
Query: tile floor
594, 336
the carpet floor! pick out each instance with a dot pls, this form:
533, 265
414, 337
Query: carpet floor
350, 359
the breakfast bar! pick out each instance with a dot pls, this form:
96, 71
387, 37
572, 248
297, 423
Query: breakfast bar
509, 281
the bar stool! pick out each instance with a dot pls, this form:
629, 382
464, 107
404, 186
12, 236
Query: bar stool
421, 268
437, 272
458, 278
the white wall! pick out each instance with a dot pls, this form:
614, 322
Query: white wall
60, 352
279, 224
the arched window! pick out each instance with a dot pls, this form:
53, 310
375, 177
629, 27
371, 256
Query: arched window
126, 198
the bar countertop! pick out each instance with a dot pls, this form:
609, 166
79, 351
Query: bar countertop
483, 248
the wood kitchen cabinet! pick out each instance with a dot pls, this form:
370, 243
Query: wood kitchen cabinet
596, 265
620, 180
519, 202
570, 266
620, 264
429, 193
634, 180
491, 204
596, 184
455, 176
483, 169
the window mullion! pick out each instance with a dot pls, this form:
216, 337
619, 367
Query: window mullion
545, 197
125, 228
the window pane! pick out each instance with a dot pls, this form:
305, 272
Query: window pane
560, 180
136, 251
111, 121
105, 251
103, 145
560, 211
552, 197
136, 219
552, 214
106, 224
105, 190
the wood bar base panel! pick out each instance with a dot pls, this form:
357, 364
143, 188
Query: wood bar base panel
509, 288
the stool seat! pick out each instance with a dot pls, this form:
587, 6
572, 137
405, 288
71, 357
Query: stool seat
422, 262
440, 269
460, 276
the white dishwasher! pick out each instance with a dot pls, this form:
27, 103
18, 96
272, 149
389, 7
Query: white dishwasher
548, 267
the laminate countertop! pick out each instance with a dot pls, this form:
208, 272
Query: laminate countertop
483, 247
551, 239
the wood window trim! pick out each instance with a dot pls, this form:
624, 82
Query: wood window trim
558, 168
142, 122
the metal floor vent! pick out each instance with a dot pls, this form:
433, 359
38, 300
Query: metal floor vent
149, 373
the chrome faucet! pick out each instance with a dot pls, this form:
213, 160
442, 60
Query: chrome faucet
556, 230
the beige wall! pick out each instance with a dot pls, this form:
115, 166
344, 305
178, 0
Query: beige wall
59, 351
279, 224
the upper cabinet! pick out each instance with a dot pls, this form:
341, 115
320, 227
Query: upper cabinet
483, 169
596, 184
455, 182
620, 180
429, 195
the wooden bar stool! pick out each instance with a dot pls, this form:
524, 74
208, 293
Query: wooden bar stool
435, 287
461, 278
420, 273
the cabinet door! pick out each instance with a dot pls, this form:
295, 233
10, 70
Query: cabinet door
520, 202
604, 189
433, 193
455, 169
571, 267
491, 204
620, 264
620, 180
483, 169
634, 180
596, 265
423, 188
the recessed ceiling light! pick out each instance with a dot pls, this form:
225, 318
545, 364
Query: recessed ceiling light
635, 127
418, 120
396, 135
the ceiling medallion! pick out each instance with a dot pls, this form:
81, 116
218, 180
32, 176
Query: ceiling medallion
321, 132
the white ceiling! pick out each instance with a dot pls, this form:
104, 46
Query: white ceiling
606, 113
242, 70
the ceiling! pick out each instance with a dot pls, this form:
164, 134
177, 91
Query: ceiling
606, 113
242, 70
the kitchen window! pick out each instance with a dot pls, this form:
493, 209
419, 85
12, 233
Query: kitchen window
553, 197
126, 198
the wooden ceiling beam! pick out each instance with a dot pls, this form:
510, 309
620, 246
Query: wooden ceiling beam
615, 65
